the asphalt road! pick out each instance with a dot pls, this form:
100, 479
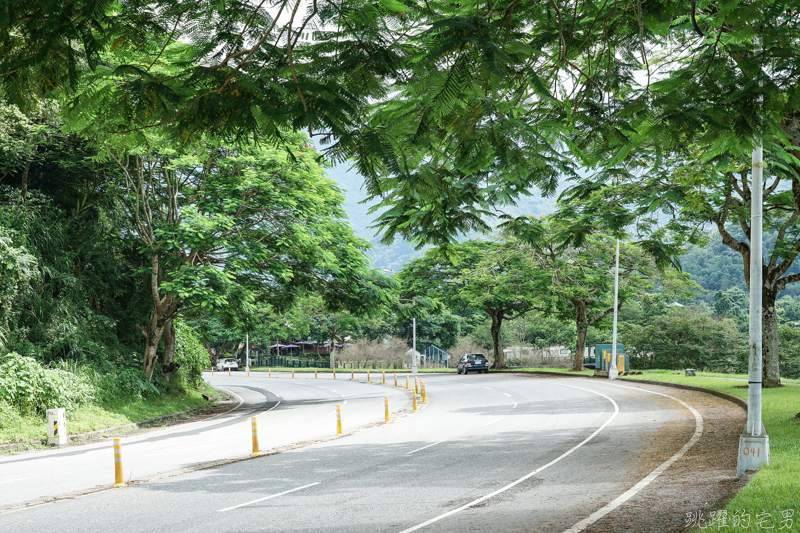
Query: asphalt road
490, 452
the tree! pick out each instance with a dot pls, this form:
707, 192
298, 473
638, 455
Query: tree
687, 338
223, 226
485, 275
578, 280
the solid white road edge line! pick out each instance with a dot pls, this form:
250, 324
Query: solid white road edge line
428, 446
600, 513
269, 497
531, 474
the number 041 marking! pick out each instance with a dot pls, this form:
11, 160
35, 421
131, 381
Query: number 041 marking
753, 451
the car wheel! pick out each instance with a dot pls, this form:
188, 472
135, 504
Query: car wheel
486, 371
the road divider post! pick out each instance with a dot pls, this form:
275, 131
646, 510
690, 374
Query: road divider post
254, 425
416, 384
338, 419
424, 396
386, 407
118, 481
368, 380
351, 375
315, 373
269, 375
406, 381
229, 371
292, 373
414, 398
384, 377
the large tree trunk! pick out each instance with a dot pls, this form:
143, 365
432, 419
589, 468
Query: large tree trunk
499, 356
582, 326
169, 367
770, 371
153, 334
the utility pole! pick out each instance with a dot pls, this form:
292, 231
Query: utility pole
414, 347
613, 372
754, 443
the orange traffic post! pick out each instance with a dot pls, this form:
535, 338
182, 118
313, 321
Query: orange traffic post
395, 379
424, 397
315, 373
386, 407
255, 435
416, 384
292, 373
229, 371
270, 373
368, 380
338, 419
414, 397
212, 370
118, 482
248, 371
334, 373
351, 375
384, 377
406, 381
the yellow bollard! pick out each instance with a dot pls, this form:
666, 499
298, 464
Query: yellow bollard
368, 380
406, 381
248, 371
351, 375
270, 373
255, 435
395, 379
384, 377
292, 374
424, 396
416, 384
118, 481
414, 397
386, 407
334, 373
229, 371
212, 370
338, 419
315, 373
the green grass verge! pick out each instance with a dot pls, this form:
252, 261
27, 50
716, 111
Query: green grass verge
775, 489
93, 417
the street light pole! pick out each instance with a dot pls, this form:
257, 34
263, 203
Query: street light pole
613, 372
754, 443
414, 347
247, 351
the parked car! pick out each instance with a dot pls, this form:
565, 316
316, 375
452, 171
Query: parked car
225, 364
473, 362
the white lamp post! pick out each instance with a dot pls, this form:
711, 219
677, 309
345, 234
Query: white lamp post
414, 347
754, 443
613, 372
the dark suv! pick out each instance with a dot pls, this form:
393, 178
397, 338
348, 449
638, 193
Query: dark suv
473, 362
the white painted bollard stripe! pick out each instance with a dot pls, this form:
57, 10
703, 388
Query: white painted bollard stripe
269, 497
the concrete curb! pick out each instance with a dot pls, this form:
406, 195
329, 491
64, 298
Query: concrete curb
100, 432
741, 402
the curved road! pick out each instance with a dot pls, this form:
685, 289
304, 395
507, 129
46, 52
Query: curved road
492, 452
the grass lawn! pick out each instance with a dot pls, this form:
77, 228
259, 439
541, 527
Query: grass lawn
93, 417
775, 490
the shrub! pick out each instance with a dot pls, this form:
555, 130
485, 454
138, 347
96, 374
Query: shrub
29, 387
190, 354
686, 338
126, 384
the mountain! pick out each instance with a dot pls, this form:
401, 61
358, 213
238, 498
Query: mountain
392, 257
